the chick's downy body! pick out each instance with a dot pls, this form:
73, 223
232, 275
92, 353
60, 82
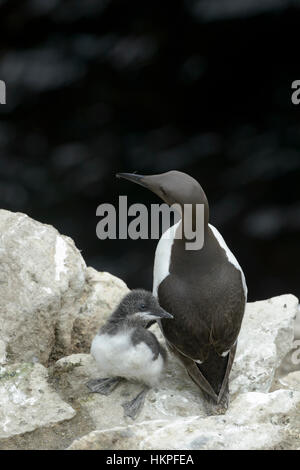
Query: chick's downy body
129, 351
125, 349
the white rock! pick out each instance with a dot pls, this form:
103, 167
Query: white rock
266, 337
103, 292
175, 396
27, 402
177, 401
254, 421
291, 362
50, 304
2, 352
42, 276
174, 417
291, 381
71, 374
297, 325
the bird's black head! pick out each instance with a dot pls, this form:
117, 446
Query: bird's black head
140, 307
173, 187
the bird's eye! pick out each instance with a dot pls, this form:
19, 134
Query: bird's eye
163, 191
142, 306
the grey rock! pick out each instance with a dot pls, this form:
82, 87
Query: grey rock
290, 381
42, 278
176, 395
102, 294
291, 361
27, 402
255, 421
174, 412
50, 304
266, 336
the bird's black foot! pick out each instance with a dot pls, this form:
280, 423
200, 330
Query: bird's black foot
220, 408
224, 402
103, 386
132, 408
213, 408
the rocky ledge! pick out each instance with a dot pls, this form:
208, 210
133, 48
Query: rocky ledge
51, 305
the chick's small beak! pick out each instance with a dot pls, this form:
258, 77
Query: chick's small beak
163, 314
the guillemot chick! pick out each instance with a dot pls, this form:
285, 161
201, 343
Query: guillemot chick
125, 349
203, 287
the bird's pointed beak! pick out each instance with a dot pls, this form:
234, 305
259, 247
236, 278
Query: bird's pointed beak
139, 179
151, 182
163, 314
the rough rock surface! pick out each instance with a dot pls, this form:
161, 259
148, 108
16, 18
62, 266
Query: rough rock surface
255, 421
102, 294
42, 275
27, 402
297, 325
266, 337
291, 361
51, 306
176, 395
290, 381
50, 303
177, 404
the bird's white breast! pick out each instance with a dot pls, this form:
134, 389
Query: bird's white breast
116, 356
163, 257
230, 256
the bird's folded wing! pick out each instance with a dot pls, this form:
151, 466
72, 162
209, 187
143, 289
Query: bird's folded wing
193, 371
197, 376
231, 357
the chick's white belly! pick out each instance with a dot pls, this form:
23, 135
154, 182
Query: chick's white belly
116, 356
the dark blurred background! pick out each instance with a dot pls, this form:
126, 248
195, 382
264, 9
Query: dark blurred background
202, 86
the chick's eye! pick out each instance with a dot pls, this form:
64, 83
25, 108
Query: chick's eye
142, 306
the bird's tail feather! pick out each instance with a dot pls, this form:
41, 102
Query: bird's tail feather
214, 370
212, 376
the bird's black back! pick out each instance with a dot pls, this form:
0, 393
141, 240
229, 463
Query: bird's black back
204, 292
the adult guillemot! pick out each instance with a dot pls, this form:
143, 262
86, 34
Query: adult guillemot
204, 289
125, 348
